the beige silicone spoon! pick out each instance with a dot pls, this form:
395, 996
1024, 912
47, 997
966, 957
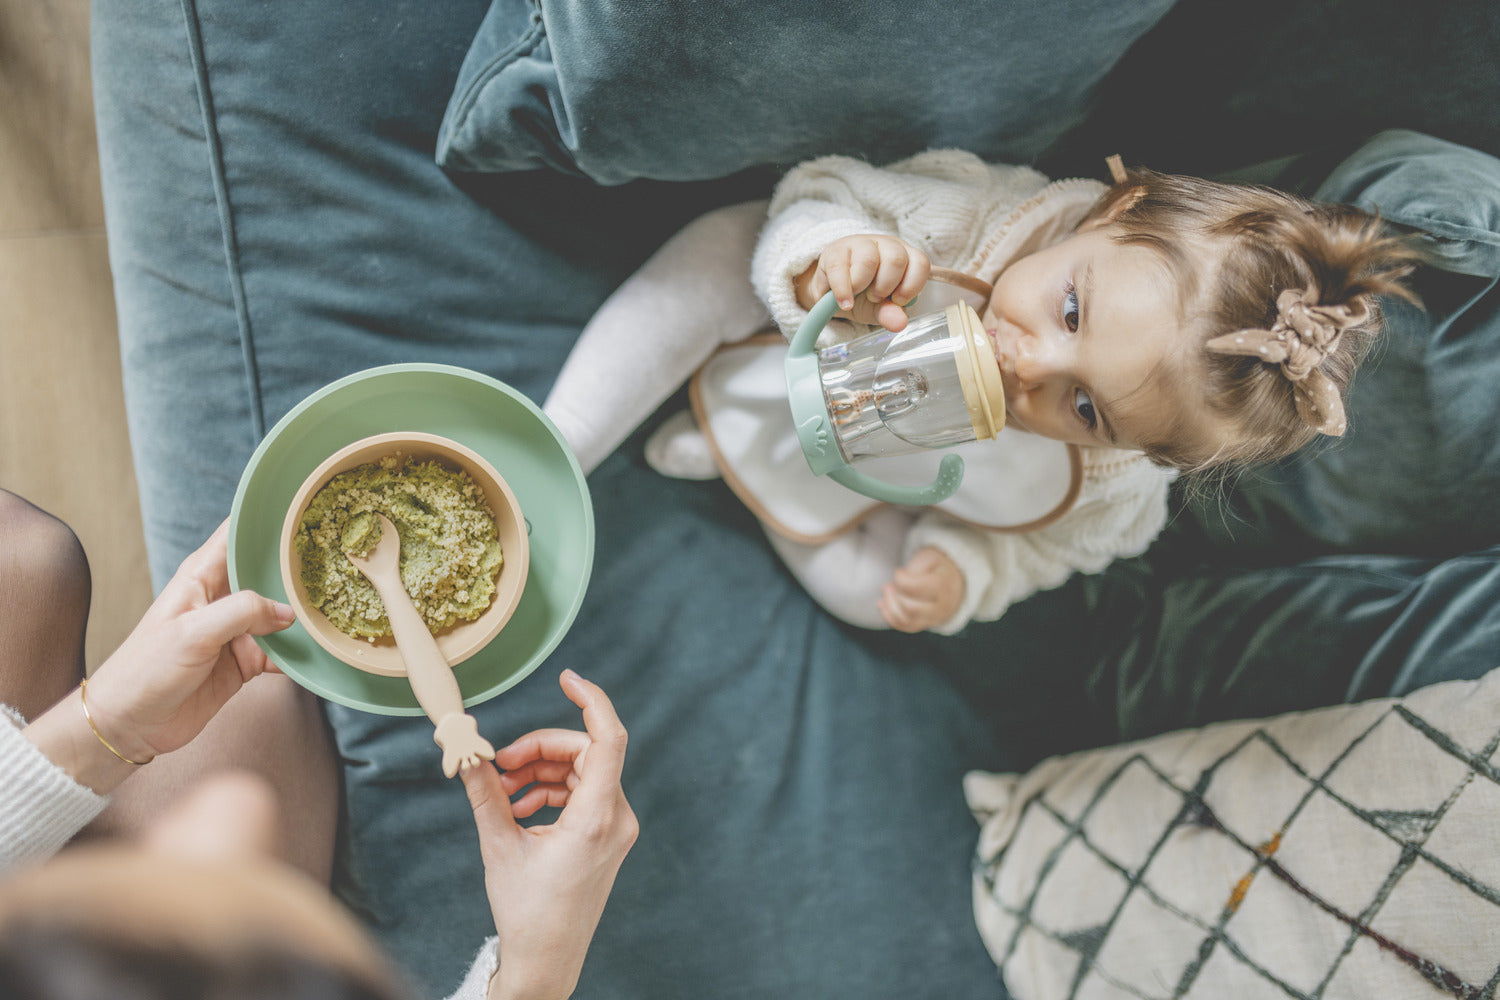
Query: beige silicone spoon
431, 678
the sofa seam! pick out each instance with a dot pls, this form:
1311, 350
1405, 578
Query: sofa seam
194, 29
526, 43
1445, 229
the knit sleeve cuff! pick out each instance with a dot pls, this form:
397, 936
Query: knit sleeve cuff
41, 806
790, 243
962, 545
477, 983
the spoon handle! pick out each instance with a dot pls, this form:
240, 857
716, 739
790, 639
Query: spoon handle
431, 677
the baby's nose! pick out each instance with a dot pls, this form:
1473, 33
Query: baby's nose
1036, 361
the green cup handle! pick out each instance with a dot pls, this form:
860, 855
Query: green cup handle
806, 337
950, 475
806, 398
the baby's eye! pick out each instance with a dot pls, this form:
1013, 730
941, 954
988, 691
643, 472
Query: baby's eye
1070, 308
1083, 405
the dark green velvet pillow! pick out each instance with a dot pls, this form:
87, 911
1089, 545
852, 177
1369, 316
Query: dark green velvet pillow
617, 89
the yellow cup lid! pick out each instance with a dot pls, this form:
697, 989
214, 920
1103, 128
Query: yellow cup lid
978, 371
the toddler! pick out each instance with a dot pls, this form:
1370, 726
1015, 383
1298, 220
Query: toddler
1160, 324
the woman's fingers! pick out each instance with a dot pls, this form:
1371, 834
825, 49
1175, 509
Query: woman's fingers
545, 772
607, 736
213, 552
242, 612
489, 800
539, 797
566, 768
204, 574
543, 744
249, 657
597, 800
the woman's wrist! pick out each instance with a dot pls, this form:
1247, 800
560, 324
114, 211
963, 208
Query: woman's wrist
138, 757
64, 736
516, 983
501, 989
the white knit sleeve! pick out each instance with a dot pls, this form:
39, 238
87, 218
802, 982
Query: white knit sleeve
944, 202
477, 982
1122, 508
793, 239
41, 806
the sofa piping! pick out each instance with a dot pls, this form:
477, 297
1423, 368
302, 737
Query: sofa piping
226, 217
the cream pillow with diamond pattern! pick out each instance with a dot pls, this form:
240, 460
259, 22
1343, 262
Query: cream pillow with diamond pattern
1349, 853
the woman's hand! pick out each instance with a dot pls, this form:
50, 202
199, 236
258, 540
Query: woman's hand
192, 651
871, 277
924, 593
189, 654
548, 884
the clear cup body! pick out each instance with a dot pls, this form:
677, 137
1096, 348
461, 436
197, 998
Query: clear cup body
896, 393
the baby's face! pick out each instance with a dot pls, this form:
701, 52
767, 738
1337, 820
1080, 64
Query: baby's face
1088, 335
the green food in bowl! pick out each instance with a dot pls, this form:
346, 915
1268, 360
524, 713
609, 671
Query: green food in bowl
450, 554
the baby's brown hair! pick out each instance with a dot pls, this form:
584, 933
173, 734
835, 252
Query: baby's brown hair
1285, 314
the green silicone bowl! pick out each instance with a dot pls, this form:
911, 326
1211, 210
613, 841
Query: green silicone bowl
491, 418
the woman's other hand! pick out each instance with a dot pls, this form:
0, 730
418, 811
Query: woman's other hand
872, 277
548, 884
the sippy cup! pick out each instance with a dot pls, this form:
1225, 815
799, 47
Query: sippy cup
934, 384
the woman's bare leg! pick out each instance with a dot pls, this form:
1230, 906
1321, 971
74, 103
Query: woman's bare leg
273, 728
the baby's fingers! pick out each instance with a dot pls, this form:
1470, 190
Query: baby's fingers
903, 272
915, 583
866, 260
895, 610
914, 278
891, 316
834, 269
891, 262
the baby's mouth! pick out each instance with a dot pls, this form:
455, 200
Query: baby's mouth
1007, 376
1001, 357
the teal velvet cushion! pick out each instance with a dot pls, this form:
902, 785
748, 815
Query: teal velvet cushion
618, 90
1419, 471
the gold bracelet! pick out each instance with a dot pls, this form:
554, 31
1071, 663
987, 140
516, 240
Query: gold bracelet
82, 686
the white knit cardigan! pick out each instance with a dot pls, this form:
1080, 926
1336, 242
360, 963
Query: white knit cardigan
977, 218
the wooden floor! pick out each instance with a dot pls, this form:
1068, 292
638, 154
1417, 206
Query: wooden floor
62, 413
